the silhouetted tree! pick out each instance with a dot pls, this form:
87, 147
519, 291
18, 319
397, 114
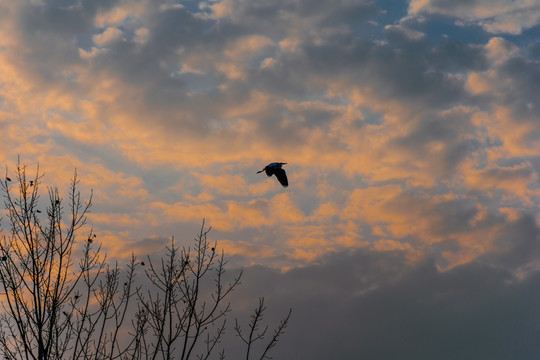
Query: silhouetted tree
179, 307
56, 306
255, 333
62, 300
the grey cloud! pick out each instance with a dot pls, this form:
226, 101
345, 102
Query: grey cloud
451, 130
353, 15
453, 217
437, 128
535, 163
451, 5
398, 34
494, 16
524, 75
415, 73
459, 151
375, 306
451, 55
316, 118
534, 51
270, 16
287, 79
520, 241
169, 31
407, 74
525, 72
446, 217
515, 173
51, 32
63, 18
54, 32
402, 74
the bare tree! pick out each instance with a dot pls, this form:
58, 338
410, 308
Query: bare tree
61, 300
54, 308
255, 333
181, 307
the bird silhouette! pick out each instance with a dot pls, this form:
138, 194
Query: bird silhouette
8, 179
275, 169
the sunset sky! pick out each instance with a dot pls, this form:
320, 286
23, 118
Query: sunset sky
410, 129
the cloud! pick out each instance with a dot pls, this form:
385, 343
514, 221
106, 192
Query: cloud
399, 30
500, 16
376, 305
410, 132
396, 139
110, 34
512, 179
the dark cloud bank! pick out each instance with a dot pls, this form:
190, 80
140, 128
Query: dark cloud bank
366, 305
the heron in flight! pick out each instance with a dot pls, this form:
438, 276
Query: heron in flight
275, 169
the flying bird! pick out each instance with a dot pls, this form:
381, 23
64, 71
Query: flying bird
275, 169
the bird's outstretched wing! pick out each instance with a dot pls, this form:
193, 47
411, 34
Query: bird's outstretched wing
269, 170
281, 176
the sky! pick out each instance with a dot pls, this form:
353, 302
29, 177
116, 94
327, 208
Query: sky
410, 129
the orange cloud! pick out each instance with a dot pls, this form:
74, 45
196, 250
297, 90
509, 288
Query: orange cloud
110, 34
184, 114
224, 184
247, 46
513, 180
478, 83
249, 250
122, 220
472, 244
233, 215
